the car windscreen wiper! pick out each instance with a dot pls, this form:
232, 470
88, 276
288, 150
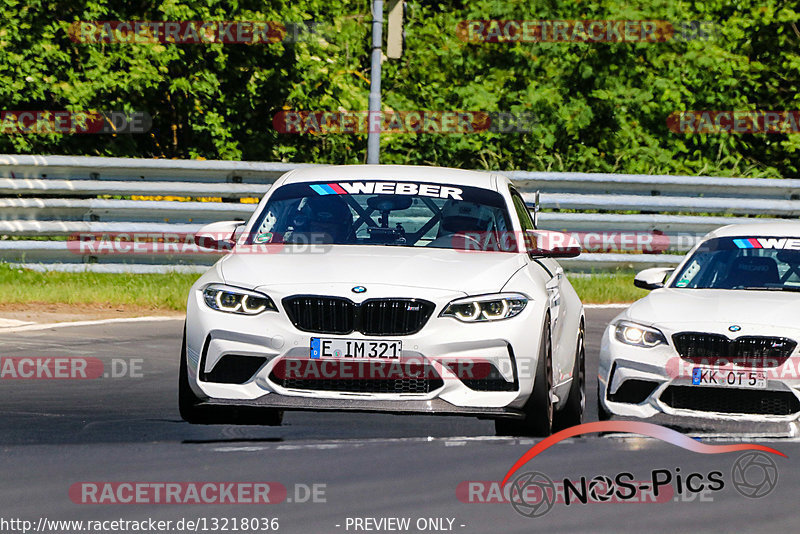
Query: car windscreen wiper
770, 288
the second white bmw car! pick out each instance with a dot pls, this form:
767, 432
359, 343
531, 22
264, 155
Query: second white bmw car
386, 288
717, 338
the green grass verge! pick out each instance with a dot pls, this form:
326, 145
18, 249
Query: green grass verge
169, 291
604, 288
157, 291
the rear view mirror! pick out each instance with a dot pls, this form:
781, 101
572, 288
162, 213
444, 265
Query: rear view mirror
653, 278
551, 244
389, 202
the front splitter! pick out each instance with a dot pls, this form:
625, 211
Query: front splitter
404, 407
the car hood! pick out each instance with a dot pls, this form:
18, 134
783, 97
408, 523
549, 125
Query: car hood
717, 309
453, 270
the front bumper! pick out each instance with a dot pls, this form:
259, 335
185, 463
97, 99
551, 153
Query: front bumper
637, 382
510, 346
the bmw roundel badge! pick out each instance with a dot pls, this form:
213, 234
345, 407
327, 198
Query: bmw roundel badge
359, 289
734, 328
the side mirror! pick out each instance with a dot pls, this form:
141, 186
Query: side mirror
653, 278
551, 244
218, 235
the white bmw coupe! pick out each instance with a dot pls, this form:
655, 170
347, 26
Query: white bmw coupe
717, 338
386, 289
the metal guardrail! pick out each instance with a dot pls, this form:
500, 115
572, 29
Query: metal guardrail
142, 170
76, 187
55, 196
657, 185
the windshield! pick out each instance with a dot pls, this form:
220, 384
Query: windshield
384, 213
759, 263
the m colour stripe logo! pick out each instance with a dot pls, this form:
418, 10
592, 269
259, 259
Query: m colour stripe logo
329, 189
747, 243
768, 242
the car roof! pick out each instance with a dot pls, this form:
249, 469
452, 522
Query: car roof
404, 173
771, 229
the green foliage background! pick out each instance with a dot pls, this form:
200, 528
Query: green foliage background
601, 107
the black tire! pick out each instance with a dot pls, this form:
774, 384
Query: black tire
193, 412
602, 414
538, 421
572, 412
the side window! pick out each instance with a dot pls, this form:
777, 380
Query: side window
522, 210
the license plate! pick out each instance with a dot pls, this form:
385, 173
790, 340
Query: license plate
355, 349
702, 376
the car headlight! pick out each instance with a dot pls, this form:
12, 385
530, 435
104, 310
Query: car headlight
486, 307
236, 300
638, 335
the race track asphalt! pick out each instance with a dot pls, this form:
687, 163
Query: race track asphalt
58, 433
